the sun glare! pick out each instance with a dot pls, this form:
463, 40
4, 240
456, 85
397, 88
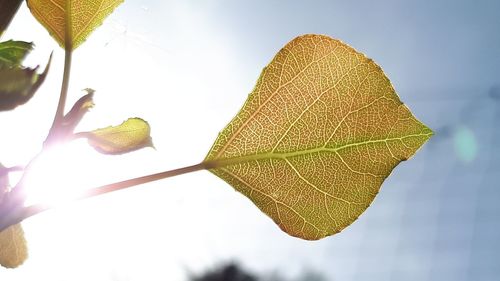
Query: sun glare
57, 175
60, 174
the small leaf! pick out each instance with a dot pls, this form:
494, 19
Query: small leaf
83, 17
131, 135
12, 53
316, 138
65, 131
82, 106
18, 85
13, 248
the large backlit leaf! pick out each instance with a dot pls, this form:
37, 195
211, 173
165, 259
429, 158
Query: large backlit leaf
131, 135
18, 85
83, 17
316, 138
12, 53
13, 249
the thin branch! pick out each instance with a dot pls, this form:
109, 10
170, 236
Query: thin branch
13, 169
17, 213
139, 180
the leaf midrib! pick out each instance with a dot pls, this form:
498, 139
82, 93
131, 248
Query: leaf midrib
218, 163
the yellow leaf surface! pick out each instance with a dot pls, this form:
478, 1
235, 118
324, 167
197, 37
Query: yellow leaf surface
131, 135
316, 138
13, 249
83, 17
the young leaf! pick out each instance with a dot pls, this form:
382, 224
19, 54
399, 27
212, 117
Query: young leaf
316, 138
12, 53
13, 248
82, 106
83, 17
131, 135
66, 129
18, 85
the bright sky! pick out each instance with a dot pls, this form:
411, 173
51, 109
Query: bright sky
187, 67
158, 231
177, 77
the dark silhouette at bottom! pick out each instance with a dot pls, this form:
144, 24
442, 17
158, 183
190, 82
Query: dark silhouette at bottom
228, 272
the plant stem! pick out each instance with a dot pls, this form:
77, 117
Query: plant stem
25, 212
64, 88
68, 51
139, 180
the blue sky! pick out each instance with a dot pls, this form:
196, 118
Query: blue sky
187, 67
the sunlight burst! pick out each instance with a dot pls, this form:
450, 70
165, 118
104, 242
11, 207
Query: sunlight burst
58, 175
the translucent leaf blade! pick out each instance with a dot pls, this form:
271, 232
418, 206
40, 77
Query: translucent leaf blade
316, 138
18, 85
131, 135
12, 53
13, 248
84, 17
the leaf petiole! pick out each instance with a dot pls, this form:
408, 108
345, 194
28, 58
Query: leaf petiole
19, 214
141, 180
68, 52
58, 118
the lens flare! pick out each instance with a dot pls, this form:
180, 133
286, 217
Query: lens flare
465, 144
60, 174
